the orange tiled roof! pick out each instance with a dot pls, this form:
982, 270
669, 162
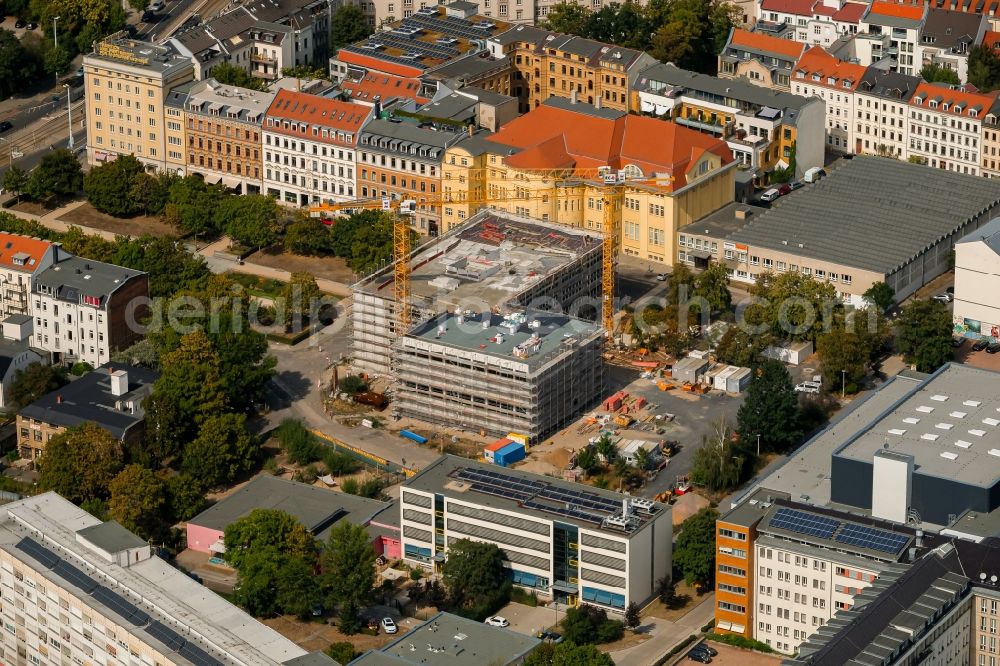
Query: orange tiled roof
913, 12
798, 7
385, 87
928, 92
991, 40
555, 137
756, 41
31, 250
817, 61
313, 110
851, 12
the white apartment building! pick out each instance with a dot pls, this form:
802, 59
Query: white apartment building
818, 74
977, 282
819, 22
84, 310
945, 127
76, 590
880, 103
899, 26
561, 540
310, 148
21, 259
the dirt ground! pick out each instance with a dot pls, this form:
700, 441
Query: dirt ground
735, 656
330, 268
87, 216
686, 506
315, 636
660, 610
33, 208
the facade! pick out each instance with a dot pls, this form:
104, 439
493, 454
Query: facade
794, 236
897, 28
991, 142
554, 266
88, 591
15, 354
946, 126
310, 148
947, 37
21, 259
818, 74
126, 84
548, 368
223, 131
607, 550
881, 103
762, 59
547, 64
815, 22
84, 310
760, 126
977, 281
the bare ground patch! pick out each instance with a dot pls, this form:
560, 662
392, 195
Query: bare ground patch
329, 268
87, 216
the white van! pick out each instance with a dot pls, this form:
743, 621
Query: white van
771, 195
813, 174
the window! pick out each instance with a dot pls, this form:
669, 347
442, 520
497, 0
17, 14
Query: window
733, 608
731, 534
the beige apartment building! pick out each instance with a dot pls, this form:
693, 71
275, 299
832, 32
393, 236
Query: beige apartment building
127, 83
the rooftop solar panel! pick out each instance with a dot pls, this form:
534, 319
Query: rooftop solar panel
74, 576
197, 656
871, 537
804, 523
37, 552
165, 635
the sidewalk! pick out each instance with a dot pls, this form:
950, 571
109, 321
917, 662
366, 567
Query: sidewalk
52, 221
666, 634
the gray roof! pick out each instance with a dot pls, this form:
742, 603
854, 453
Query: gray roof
948, 29
11, 349
908, 207
248, 105
177, 96
462, 4
76, 276
520, 33
726, 91
89, 398
408, 132
318, 509
890, 85
586, 109
163, 60
454, 107
111, 537
467, 67
17, 319
313, 659
487, 96
989, 233
451, 640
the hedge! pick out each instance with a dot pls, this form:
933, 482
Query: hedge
680, 647
740, 642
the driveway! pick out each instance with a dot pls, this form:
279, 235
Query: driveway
666, 634
530, 620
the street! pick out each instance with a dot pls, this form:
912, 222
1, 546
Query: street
31, 160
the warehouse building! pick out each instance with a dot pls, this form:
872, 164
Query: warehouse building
563, 540
528, 372
492, 260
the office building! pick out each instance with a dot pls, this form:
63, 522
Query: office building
126, 84
109, 396
494, 259
764, 60
977, 283
84, 591
573, 543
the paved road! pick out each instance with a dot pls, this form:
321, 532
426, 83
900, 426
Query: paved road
23, 118
666, 634
31, 160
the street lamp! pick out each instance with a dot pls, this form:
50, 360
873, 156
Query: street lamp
55, 31
843, 383
758, 445
69, 115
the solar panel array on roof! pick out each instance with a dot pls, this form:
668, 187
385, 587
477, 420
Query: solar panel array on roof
567, 511
871, 537
382, 56
121, 606
165, 635
74, 576
197, 656
433, 50
42, 555
804, 523
450, 26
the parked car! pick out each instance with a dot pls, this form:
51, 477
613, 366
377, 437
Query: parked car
497, 621
550, 636
31, 25
20, 23
149, 16
707, 648
993, 348
79, 73
770, 195
389, 626
807, 387
813, 174
699, 656
318, 610
944, 298
796, 184
6, 126
981, 344
784, 189
156, 6
957, 342
661, 277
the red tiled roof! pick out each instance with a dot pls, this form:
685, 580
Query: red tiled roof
851, 12
385, 86
798, 7
991, 39
817, 61
378, 64
913, 12
28, 250
313, 110
756, 41
928, 92
554, 137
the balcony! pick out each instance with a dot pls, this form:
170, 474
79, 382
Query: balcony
260, 57
714, 128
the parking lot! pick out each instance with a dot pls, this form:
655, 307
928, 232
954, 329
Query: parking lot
732, 656
530, 620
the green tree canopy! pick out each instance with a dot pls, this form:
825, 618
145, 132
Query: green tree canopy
264, 530
348, 564
348, 25
475, 577
58, 174
793, 306
81, 462
923, 334
934, 73
223, 450
191, 380
568, 653
297, 591
984, 68
718, 463
712, 284
193, 204
34, 381
138, 499
301, 297
16, 178
880, 295
308, 236
251, 220
112, 187
568, 18
231, 75
771, 409
694, 549
18, 66
185, 497
587, 625
739, 347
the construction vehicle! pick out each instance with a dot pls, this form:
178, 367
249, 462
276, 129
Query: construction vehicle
623, 421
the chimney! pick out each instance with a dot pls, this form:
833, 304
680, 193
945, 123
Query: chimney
741, 213
572, 97
119, 382
472, 130
597, 102
919, 541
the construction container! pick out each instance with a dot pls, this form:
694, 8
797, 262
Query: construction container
689, 369
489, 453
792, 353
627, 449
720, 381
623, 421
663, 386
738, 381
509, 454
412, 436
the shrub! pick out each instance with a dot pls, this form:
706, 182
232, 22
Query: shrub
350, 486
300, 445
522, 596
80, 368
339, 463
353, 385
590, 624
740, 642
342, 651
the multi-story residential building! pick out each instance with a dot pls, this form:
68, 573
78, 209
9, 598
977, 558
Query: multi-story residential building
679, 174
548, 64
762, 59
991, 142
881, 105
127, 83
87, 591
947, 37
111, 397
761, 126
21, 259
896, 27
819, 22
985, 612
310, 148
561, 540
84, 310
946, 127
402, 160
480, 70
555, 267
819, 74
795, 237
977, 283
223, 130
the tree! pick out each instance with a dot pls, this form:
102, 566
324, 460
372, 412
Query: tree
643, 459
342, 652
347, 26
738, 347
586, 459
223, 450
296, 441
567, 17
364, 239
694, 549
588, 624
771, 409
110, 187
256, 588
33, 382
81, 462
192, 204
264, 531
984, 68
718, 464
880, 295
794, 306
934, 73
297, 591
58, 174
17, 68
231, 75
185, 496
57, 60
301, 297
348, 564
15, 180
712, 284
475, 577
606, 448
680, 286
632, 618
251, 220
568, 653
923, 334
137, 500
844, 356
352, 385
308, 236
191, 381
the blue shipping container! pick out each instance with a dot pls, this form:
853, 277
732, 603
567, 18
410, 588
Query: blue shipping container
413, 436
509, 454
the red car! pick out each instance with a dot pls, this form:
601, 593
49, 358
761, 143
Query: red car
784, 189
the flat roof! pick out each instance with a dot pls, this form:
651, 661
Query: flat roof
906, 207
492, 258
735, 90
531, 337
318, 509
950, 424
111, 536
451, 640
163, 60
456, 478
248, 105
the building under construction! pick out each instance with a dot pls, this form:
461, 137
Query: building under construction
528, 372
495, 262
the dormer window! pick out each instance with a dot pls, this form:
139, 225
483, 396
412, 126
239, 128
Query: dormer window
944, 107
973, 113
800, 75
933, 104
815, 77
832, 81
847, 84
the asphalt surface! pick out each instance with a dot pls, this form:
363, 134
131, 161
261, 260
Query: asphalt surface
25, 117
31, 160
